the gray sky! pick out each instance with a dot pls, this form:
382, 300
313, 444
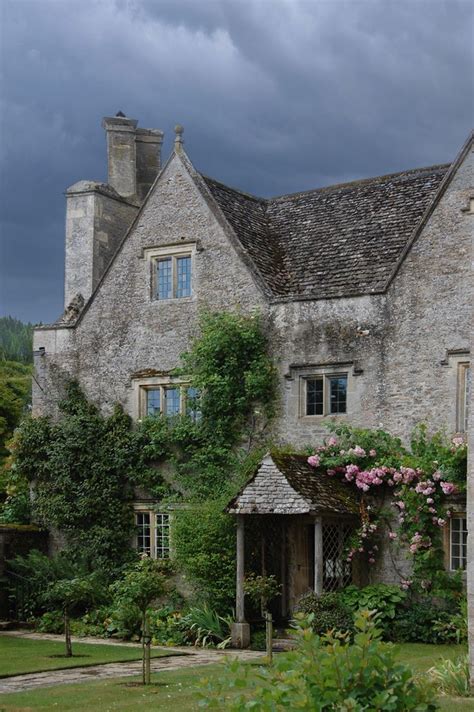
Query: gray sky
275, 96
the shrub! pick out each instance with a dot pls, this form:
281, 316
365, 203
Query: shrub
328, 610
258, 640
326, 673
206, 627
452, 677
40, 571
416, 623
50, 622
166, 627
380, 597
452, 627
204, 539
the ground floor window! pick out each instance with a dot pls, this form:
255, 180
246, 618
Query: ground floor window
152, 533
337, 571
458, 542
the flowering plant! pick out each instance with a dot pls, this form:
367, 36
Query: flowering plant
418, 482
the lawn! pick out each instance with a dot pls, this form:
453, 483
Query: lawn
22, 655
177, 690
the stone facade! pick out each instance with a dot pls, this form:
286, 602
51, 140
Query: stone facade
399, 335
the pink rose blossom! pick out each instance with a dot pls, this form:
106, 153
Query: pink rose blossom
392, 535
372, 453
332, 441
448, 488
371, 561
314, 460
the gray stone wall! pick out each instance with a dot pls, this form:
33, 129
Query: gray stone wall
124, 331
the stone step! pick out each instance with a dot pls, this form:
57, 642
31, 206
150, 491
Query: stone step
280, 644
6, 625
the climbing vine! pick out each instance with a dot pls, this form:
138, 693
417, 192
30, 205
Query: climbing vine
415, 482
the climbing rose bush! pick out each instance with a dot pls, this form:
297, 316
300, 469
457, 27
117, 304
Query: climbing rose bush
417, 482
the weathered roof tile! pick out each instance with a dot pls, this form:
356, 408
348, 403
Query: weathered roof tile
331, 242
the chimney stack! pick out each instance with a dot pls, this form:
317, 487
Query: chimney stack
134, 156
121, 154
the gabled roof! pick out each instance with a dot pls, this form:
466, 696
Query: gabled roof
339, 241
286, 484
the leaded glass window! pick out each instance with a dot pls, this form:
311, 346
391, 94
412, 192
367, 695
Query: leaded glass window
314, 396
172, 401
153, 401
458, 542
337, 394
162, 535
192, 404
183, 276
165, 278
325, 394
143, 529
173, 277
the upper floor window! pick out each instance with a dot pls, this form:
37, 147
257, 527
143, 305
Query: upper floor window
325, 394
170, 400
173, 277
463, 396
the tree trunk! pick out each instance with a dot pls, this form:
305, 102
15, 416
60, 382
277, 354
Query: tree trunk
143, 650
147, 650
269, 635
67, 634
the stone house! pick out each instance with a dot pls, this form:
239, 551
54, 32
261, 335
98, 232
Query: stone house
367, 286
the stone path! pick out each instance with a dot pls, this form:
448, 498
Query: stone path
193, 657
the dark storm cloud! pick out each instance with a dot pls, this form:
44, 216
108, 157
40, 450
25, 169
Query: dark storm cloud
275, 96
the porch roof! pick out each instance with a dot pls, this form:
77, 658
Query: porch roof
286, 484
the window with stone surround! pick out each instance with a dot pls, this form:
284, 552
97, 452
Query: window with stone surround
171, 271
152, 533
168, 399
324, 394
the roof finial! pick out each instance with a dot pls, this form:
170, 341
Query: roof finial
178, 140
121, 114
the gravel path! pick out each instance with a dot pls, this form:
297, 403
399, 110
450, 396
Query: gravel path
193, 657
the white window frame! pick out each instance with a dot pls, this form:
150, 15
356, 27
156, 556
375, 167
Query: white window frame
460, 516
325, 376
154, 254
464, 384
155, 517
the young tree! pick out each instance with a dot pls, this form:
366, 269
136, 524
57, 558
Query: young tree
140, 586
262, 589
67, 594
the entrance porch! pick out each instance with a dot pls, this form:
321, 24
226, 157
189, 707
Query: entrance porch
293, 523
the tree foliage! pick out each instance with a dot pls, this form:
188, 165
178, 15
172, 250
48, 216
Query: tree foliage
81, 467
16, 340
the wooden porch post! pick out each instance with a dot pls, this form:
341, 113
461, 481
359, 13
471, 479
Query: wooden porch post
239, 604
240, 630
318, 556
283, 570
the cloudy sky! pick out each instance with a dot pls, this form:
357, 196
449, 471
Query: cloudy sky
275, 96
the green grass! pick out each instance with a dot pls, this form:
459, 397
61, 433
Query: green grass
177, 690
22, 655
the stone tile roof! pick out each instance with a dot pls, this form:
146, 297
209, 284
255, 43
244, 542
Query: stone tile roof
337, 241
286, 484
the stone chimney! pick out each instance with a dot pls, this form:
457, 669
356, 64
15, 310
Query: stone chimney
98, 215
133, 155
148, 150
121, 154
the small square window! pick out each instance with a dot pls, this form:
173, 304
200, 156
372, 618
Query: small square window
325, 394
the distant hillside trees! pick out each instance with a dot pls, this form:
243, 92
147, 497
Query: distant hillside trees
16, 340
